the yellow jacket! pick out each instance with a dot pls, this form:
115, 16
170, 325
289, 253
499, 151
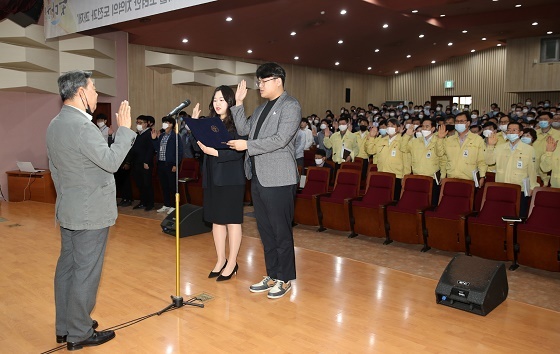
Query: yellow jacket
390, 158
513, 166
336, 142
462, 160
540, 149
550, 161
425, 159
371, 147
362, 144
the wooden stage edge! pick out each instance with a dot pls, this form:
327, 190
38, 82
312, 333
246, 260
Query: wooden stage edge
337, 305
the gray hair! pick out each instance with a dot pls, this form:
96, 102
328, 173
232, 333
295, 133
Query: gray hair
70, 82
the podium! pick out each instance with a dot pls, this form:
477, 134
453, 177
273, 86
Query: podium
38, 186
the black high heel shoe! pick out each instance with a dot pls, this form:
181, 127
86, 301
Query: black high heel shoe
215, 274
228, 277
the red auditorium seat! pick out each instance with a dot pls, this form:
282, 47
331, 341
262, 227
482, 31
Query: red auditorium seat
332, 213
317, 182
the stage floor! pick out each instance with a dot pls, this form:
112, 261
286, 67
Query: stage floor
336, 305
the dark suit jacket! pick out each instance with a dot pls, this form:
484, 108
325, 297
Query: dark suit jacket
169, 149
142, 151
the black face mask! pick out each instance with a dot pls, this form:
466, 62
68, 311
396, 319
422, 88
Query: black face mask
363, 128
450, 127
86, 105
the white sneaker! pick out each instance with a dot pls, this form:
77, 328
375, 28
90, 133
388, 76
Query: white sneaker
279, 289
163, 209
171, 209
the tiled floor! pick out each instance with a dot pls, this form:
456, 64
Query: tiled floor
532, 286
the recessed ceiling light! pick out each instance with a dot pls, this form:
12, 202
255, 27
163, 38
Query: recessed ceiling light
421, 36
494, 0
535, 23
519, 5
472, 50
465, 31
343, 12
369, 68
385, 25
229, 19
483, 38
250, 51
450, 44
296, 58
433, 61
408, 56
396, 72
340, 41
414, 11
377, 50
322, 12
549, 32
293, 33
499, 45
337, 63
442, 15
185, 40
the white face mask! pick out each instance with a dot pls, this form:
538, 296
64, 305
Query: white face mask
342, 127
487, 133
139, 127
323, 126
318, 161
503, 127
100, 124
426, 133
165, 125
420, 116
391, 130
405, 110
418, 135
474, 116
316, 121
407, 126
392, 114
416, 126
438, 109
525, 110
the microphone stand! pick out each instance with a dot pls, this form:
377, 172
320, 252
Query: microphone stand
177, 299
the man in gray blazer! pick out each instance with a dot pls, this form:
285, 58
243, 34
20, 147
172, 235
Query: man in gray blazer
270, 164
82, 167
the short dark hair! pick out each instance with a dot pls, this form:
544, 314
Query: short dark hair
519, 125
321, 152
101, 116
432, 122
150, 120
363, 120
169, 120
490, 124
468, 116
548, 114
271, 70
70, 82
394, 121
531, 132
343, 117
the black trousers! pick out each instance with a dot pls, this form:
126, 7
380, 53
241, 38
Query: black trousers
398, 187
436, 189
122, 181
167, 182
524, 206
274, 211
143, 180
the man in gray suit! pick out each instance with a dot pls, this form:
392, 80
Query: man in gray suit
270, 163
82, 167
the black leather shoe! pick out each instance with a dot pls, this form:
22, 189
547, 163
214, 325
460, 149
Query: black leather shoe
62, 339
97, 338
125, 203
228, 277
215, 274
139, 206
148, 208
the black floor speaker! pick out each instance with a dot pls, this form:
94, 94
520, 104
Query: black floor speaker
191, 223
473, 284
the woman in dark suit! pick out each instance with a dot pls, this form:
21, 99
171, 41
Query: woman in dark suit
223, 180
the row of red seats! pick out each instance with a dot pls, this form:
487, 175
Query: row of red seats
452, 225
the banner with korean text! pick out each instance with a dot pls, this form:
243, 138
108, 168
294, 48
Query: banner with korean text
70, 16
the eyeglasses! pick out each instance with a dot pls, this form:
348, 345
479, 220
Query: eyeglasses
260, 83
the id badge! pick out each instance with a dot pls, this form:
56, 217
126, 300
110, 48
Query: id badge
429, 155
466, 153
393, 153
519, 164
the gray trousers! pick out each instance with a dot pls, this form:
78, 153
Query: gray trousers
76, 280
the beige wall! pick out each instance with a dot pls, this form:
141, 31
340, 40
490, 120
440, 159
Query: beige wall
481, 75
525, 72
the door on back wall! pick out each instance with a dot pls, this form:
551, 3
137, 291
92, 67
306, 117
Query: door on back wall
104, 108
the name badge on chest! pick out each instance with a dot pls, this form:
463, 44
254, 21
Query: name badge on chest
429, 155
519, 164
465, 153
393, 153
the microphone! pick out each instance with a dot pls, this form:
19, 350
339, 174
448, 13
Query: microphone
180, 107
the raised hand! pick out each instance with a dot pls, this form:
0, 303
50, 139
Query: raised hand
241, 93
155, 134
373, 132
492, 139
196, 111
442, 131
409, 131
123, 115
551, 144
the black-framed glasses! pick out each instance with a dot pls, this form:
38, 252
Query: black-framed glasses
260, 83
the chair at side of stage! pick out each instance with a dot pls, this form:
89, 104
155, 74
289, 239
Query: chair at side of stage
190, 182
317, 182
538, 238
487, 235
331, 211
444, 225
368, 213
404, 218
